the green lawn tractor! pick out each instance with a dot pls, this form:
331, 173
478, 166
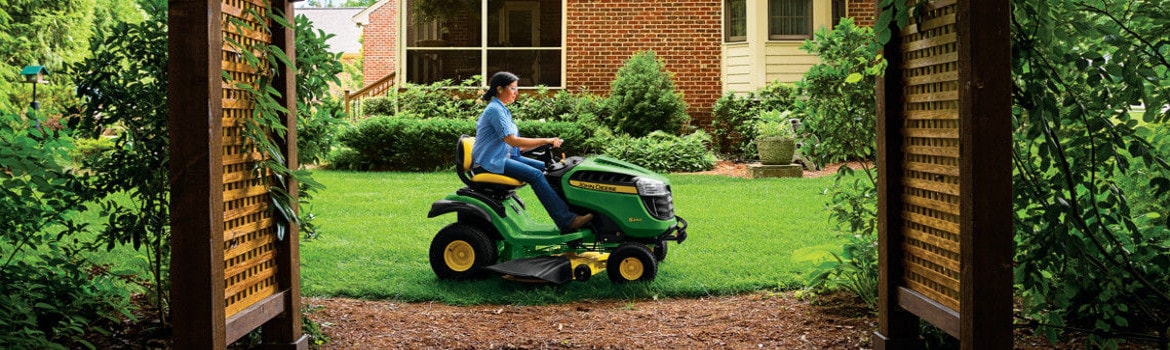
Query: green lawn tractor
493, 232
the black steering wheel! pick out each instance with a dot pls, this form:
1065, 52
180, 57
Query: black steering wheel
542, 153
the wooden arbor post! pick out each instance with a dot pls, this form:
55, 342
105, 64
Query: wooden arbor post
230, 273
944, 163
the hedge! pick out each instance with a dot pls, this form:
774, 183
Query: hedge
410, 144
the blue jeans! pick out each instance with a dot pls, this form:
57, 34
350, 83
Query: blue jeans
532, 171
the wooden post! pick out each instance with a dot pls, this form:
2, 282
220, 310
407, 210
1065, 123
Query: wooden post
944, 165
985, 95
193, 98
229, 272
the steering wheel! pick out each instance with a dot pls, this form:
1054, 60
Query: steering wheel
542, 153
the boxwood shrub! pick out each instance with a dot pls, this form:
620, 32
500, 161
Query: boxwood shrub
411, 144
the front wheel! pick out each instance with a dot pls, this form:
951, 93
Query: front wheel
461, 252
631, 262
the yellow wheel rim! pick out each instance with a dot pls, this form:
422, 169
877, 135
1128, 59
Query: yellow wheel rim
631, 268
459, 256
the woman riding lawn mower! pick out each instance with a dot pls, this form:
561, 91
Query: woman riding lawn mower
633, 219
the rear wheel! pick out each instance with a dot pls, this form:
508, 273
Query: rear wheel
461, 252
631, 262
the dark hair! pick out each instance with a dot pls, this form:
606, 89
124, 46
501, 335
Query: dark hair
499, 79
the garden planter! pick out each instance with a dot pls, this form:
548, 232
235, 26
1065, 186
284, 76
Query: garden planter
776, 150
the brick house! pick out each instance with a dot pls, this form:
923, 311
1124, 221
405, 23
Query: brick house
712, 46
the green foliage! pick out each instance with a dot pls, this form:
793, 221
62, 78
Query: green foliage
47, 299
734, 122
437, 100
853, 209
378, 234
319, 114
378, 106
642, 98
841, 105
561, 106
50, 33
123, 86
663, 152
413, 144
266, 130
774, 124
1087, 256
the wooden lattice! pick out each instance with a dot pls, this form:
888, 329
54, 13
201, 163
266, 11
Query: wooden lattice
931, 176
249, 230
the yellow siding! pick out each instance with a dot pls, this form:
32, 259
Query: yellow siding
737, 67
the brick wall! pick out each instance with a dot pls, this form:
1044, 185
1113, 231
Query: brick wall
379, 42
862, 12
686, 34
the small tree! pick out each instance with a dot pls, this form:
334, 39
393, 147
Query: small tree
643, 99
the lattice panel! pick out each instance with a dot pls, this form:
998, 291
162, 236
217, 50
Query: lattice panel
249, 228
931, 155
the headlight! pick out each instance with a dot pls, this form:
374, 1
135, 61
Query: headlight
649, 187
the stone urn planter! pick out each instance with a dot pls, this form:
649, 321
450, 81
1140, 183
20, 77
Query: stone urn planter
776, 150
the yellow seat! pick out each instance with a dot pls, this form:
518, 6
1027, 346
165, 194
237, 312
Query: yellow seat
463, 159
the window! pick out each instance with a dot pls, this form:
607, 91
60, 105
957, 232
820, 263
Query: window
789, 19
838, 11
735, 20
520, 36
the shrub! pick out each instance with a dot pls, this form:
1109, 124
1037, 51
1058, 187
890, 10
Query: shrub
410, 144
441, 99
841, 106
562, 106
643, 99
47, 300
663, 152
378, 106
735, 116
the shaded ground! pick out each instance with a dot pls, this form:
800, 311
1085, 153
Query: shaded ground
761, 320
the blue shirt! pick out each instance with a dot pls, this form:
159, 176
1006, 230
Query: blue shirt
490, 150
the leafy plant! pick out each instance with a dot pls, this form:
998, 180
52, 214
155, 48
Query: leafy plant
266, 124
642, 98
319, 114
663, 152
841, 105
841, 109
47, 297
130, 96
1087, 258
774, 124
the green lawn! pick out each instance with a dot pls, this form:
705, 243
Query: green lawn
744, 235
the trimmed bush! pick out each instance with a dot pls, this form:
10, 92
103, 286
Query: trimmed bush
643, 99
411, 144
663, 152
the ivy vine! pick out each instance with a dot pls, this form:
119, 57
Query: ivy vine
267, 122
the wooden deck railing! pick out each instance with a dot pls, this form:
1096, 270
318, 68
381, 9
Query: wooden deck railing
378, 88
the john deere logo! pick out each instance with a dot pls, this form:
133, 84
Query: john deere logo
603, 187
633, 219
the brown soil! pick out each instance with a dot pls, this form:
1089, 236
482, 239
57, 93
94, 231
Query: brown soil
729, 168
760, 320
